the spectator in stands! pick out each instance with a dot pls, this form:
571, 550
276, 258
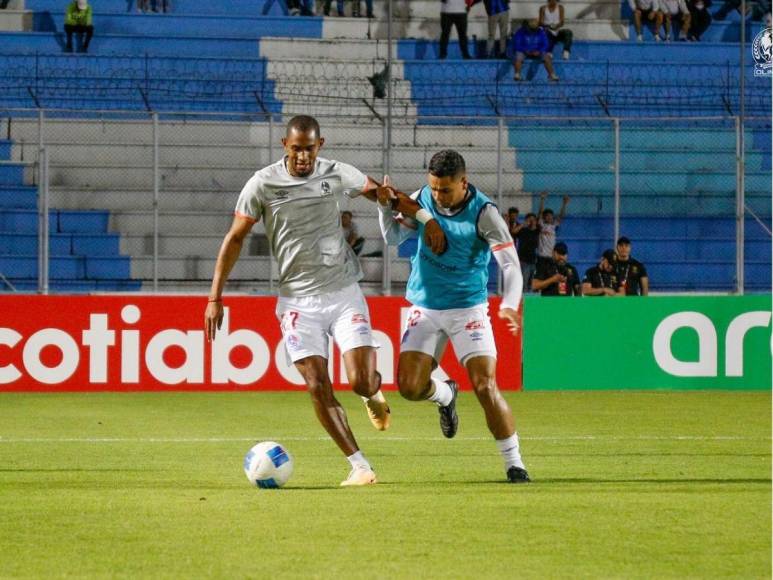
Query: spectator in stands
557, 277
548, 226
675, 12
531, 42
78, 20
700, 18
306, 7
152, 6
498, 12
551, 18
355, 8
453, 13
631, 274
350, 232
601, 280
757, 9
647, 11
526, 234
511, 219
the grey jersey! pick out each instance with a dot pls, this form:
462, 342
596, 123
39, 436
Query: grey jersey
303, 224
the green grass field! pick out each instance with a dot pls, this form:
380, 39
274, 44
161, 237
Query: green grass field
627, 485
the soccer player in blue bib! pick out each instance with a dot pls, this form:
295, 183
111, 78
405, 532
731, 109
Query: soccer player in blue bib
449, 298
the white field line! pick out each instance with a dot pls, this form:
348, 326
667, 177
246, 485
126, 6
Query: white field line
599, 438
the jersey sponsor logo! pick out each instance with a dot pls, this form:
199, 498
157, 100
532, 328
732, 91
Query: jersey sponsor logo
325, 188
359, 319
413, 319
281, 193
436, 264
476, 336
474, 325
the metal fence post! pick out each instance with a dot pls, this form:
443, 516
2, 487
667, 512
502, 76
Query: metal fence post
43, 229
740, 202
41, 121
617, 180
386, 161
271, 160
500, 126
156, 181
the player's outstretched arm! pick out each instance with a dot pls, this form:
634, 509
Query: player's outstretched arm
226, 258
493, 228
400, 202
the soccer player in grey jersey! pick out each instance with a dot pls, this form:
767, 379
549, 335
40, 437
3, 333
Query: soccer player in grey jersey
297, 198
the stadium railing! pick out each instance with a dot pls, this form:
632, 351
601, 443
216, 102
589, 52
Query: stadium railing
141, 200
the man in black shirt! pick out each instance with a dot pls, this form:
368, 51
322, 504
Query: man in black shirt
601, 280
526, 234
557, 277
631, 274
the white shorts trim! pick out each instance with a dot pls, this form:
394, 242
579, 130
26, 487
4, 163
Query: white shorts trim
469, 330
308, 322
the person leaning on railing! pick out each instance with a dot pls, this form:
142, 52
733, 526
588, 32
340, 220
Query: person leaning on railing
78, 20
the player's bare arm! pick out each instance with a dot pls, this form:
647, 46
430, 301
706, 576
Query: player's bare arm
226, 258
387, 194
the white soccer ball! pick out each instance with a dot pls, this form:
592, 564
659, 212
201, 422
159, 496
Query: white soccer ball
268, 465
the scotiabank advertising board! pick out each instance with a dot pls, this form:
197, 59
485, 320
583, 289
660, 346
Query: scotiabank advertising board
157, 343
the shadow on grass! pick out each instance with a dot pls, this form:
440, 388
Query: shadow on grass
582, 481
76, 470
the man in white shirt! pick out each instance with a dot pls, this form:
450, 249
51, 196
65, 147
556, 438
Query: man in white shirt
453, 13
647, 11
676, 12
298, 200
548, 226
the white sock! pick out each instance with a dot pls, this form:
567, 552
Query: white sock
443, 394
379, 396
510, 451
357, 459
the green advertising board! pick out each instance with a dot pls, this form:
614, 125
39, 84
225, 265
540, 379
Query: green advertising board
685, 342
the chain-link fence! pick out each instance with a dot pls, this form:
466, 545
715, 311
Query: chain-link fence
142, 200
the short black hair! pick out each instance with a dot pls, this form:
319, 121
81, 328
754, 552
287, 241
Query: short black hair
546, 211
303, 124
531, 214
447, 163
347, 212
512, 210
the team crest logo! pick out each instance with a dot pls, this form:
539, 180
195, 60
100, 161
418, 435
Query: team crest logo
282, 193
762, 51
325, 187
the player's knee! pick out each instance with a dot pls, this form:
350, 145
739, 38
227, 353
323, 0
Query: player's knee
485, 387
319, 387
364, 384
411, 387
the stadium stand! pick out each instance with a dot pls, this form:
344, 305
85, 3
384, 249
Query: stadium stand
248, 61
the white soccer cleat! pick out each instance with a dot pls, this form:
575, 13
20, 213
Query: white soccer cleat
378, 411
358, 476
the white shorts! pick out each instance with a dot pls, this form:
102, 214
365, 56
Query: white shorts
469, 329
307, 322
